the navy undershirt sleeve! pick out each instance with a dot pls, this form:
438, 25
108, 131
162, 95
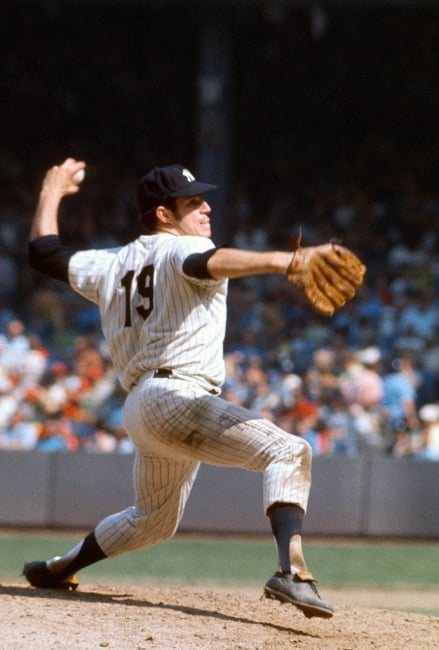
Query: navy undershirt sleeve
49, 256
195, 265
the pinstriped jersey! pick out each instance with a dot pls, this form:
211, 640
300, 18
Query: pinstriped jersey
153, 315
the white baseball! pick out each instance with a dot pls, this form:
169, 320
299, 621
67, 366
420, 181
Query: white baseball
78, 176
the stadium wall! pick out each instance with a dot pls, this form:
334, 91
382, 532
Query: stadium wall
364, 496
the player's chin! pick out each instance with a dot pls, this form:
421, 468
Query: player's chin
205, 230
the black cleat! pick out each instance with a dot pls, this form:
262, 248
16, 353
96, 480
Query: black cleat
38, 575
286, 587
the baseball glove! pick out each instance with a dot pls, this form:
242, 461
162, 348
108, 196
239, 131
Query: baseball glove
327, 275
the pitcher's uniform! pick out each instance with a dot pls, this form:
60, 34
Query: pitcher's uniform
165, 331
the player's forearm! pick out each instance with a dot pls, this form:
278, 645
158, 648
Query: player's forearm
58, 182
45, 221
236, 263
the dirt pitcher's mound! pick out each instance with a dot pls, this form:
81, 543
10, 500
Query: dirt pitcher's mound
136, 618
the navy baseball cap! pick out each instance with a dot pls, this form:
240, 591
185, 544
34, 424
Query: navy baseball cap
172, 181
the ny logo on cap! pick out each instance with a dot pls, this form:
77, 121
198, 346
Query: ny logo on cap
190, 177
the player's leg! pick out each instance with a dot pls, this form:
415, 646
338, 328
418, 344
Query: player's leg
162, 488
214, 431
285, 463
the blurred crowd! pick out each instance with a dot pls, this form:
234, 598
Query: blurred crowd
58, 404
351, 155
364, 381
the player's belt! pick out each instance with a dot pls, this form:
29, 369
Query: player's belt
166, 373
163, 373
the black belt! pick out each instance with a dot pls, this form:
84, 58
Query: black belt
166, 373
163, 373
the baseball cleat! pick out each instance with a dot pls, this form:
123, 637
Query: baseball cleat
286, 587
38, 575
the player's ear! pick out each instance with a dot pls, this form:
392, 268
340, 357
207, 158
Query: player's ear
164, 215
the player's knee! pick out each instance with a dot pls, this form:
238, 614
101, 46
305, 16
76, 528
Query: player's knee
167, 531
301, 451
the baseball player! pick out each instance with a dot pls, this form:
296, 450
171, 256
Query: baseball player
162, 301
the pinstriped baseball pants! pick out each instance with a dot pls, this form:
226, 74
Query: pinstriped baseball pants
174, 425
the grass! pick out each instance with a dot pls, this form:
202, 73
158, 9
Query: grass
198, 560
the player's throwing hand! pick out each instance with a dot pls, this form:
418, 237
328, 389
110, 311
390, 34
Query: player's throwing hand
60, 179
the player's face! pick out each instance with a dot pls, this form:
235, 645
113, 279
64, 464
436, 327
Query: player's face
192, 216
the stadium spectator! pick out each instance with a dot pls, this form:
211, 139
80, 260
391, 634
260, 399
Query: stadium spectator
399, 400
13, 344
22, 431
338, 425
428, 439
321, 379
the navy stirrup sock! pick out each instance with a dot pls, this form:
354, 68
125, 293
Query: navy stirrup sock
89, 553
286, 521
